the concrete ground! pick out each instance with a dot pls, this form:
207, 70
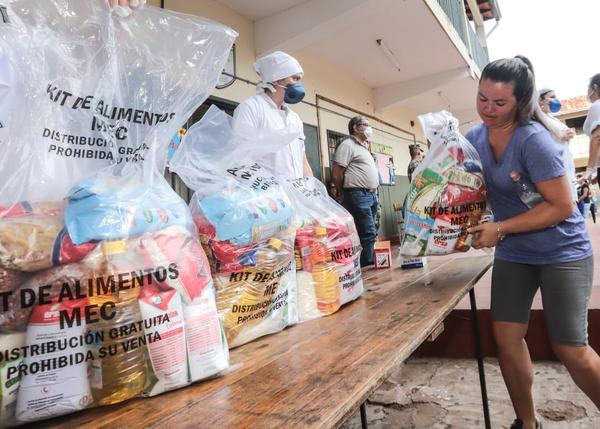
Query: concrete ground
444, 393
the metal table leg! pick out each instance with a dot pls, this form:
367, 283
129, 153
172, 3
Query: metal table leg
363, 416
479, 353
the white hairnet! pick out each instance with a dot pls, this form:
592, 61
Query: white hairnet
276, 66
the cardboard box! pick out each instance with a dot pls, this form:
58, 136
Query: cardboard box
383, 254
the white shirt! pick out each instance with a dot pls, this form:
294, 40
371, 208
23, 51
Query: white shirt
567, 157
259, 111
593, 119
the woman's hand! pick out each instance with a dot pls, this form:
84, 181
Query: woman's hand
123, 8
567, 135
488, 234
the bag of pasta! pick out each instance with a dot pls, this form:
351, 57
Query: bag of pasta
244, 219
447, 194
327, 251
107, 291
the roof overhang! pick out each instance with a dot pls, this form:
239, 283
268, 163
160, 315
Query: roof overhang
406, 51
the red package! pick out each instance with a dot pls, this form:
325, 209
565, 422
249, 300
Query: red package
224, 251
456, 195
175, 246
205, 228
66, 252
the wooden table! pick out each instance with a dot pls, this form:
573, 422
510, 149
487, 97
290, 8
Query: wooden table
314, 375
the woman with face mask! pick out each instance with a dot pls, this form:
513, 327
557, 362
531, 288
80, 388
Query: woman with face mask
543, 244
550, 105
591, 126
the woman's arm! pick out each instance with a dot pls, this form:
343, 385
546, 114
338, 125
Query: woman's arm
556, 207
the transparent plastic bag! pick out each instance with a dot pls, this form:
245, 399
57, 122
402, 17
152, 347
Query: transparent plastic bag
244, 219
447, 194
130, 309
327, 251
97, 90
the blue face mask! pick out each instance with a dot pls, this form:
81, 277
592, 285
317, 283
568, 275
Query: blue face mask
294, 93
554, 105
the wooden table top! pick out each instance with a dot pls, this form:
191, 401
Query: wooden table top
313, 375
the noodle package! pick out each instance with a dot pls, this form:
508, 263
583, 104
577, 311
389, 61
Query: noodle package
447, 194
245, 223
107, 292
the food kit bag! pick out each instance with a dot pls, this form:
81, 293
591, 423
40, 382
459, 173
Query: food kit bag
245, 222
327, 251
447, 194
107, 292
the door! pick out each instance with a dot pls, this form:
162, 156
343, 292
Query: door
313, 150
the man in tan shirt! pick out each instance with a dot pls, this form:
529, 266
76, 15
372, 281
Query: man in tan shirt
356, 178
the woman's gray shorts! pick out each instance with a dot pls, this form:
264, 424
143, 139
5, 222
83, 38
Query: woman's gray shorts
565, 287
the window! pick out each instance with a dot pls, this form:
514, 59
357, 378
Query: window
333, 140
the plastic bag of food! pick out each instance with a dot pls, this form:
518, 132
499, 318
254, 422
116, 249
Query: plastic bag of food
327, 249
97, 90
130, 309
244, 219
447, 194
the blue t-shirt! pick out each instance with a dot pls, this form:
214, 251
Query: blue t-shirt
535, 156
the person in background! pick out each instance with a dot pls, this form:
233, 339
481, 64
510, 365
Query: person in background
591, 127
593, 201
544, 245
416, 156
549, 105
280, 85
332, 190
355, 173
583, 195
392, 171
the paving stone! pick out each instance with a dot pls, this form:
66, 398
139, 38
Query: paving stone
558, 410
391, 394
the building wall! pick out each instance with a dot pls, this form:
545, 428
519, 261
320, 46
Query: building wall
321, 78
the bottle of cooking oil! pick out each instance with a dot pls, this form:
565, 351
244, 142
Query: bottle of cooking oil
324, 273
119, 372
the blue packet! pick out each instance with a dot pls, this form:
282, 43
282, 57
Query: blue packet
113, 210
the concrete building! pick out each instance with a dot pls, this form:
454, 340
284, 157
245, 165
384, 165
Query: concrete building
573, 113
388, 59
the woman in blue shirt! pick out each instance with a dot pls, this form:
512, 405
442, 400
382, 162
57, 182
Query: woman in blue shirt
541, 239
